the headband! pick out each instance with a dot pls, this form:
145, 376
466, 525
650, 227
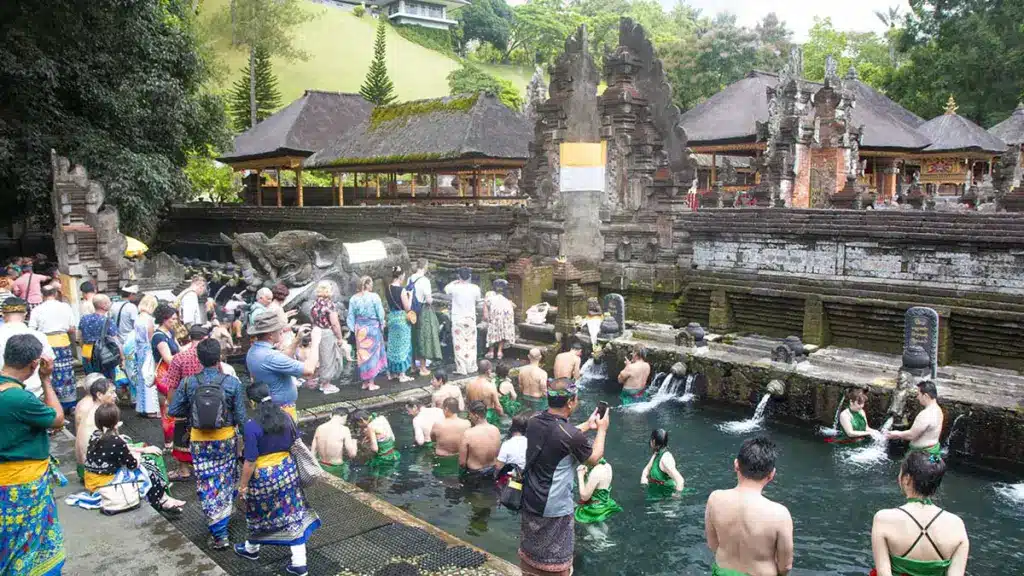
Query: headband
265, 399
569, 391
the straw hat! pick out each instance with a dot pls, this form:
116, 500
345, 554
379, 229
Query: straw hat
266, 323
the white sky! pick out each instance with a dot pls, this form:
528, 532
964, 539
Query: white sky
799, 14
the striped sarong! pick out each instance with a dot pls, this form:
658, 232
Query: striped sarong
275, 507
31, 539
215, 457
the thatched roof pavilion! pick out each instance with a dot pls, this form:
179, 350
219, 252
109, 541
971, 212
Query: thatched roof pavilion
1011, 130
469, 135
957, 147
290, 135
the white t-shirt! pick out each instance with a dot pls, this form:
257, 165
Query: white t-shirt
464, 298
228, 369
190, 313
421, 288
51, 317
33, 384
513, 451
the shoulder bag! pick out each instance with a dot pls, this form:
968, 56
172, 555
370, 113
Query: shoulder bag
117, 498
306, 464
511, 496
107, 353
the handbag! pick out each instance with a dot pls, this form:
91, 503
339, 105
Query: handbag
410, 315
107, 353
306, 464
511, 495
118, 498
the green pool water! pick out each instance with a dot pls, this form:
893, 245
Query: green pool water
831, 498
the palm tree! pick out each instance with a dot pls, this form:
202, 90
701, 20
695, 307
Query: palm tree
890, 18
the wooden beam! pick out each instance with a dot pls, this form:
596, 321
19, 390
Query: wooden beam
741, 147
298, 184
502, 164
278, 174
286, 162
259, 189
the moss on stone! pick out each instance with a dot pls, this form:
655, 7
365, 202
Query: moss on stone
383, 114
395, 159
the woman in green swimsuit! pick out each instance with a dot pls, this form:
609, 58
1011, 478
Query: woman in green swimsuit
595, 504
853, 421
380, 440
660, 475
919, 538
509, 402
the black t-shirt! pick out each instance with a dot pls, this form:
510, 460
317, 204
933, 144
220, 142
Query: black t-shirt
554, 449
107, 453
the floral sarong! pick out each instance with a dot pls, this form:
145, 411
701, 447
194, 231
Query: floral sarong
275, 507
146, 400
399, 342
63, 378
501, 323
464, 344
370, 348
216, 476
31, 539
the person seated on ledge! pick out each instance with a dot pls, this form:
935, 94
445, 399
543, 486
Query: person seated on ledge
660, 475
479, 447
929, 540
595, 483
634, 376
853, 421
423, 420
482, 389
567, 364
379, 438
446, 436
510, 404
333, 444
749, 534
923, 436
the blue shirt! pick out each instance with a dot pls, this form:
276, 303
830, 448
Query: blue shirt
233, 408
257, 443
273, 368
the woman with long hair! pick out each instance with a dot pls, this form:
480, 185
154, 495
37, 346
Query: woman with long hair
164, 346
919, 538
275, 505
324, 314
499, 313
660, 475
147, 404
399, 348
366, 319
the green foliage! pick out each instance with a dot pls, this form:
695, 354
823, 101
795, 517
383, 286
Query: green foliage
396, 159
538, 32
431, 38
268, 98
866, 51
359, 11
383, 114
378, 87
210, 182
702, 64
472, 80
115, 86
486, 21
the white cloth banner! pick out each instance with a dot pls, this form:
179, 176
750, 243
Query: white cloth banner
369, 251
581, 178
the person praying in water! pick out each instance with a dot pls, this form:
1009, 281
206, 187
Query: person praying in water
595, 484
924, 434
379, 439
853, 421
660, 475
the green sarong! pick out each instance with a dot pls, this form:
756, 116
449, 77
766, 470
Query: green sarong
628, 397
425, 339
339, 470
80, 469
386, 458
510, 406
934, 450
659, 484
717, 570
428, 445
599, 507
492, 417
859, 424
901, 565
446, 466
534, 404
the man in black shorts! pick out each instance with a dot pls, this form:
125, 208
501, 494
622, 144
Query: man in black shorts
555, 448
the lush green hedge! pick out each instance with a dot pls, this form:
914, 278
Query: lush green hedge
431, 38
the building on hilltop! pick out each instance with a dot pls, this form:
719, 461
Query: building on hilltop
455, 146
432, 14
289, 136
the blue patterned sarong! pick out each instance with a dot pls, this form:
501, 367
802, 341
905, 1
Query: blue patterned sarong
275, 508
399, 347
216, 480
31, 539
63, 378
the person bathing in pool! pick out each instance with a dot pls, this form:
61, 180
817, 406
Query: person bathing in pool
929, 540
333, 444
660, 475
480, 445
924, 434
853, 421
446, 436
378, 438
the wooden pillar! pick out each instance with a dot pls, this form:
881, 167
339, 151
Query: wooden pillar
433, 183
462, 193
714, 170
412, 185
494, 184
376, 181
298, 184
341, 187
277, 172
476, 183
259, 189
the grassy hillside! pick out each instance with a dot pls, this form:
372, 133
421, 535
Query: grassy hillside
340, 47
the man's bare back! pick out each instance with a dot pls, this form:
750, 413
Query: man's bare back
333, 442
424, 422
448, 391
482, 389
567, 365
533, 381
634, 375
482, 443
749, 533
930, 418
447, 435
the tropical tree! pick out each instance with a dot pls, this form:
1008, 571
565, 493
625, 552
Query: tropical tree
487, 21
865, 51
471, 79
378, 88
268, 98
716, 55
891, 19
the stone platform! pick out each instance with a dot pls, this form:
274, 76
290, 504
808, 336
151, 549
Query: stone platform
737, 368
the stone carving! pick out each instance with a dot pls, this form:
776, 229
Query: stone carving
536, 93
651, 249
692, 336
615, 305
791, 351
921, 341
160, 272
300, 259
510, 184
624, 250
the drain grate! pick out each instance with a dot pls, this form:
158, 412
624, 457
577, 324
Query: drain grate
406, 541
357, 554
398, 569
456, 557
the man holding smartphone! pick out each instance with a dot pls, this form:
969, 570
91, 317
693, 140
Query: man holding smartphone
555, 448
275, 368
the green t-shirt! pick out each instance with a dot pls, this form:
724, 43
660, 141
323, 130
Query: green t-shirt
24, 425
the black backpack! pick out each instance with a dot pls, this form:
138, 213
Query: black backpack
208, 405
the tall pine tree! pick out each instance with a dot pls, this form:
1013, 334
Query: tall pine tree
378, 88
268, 98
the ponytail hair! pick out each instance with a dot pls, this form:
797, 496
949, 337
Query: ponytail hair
271, 418
106, 418
660, 438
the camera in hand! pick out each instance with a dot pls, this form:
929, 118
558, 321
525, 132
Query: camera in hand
602, 407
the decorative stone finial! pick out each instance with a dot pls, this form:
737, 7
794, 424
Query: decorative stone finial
951, 106
851, 74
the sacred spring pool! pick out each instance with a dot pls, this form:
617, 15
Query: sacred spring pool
831, 492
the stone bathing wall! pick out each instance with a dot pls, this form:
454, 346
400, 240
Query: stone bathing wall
846, 277
481, 237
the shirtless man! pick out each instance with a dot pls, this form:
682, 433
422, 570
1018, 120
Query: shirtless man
423, 420
924, 434
333, 444
447, 434
567, 364
480, 446
443, 390
533, 381
748, 533
634, 376
482, 389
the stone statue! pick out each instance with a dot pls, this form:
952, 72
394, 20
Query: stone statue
536, 94
615, 305
300, 259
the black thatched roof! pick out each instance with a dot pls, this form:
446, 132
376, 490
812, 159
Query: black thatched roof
426, 131
1011, 130
731, 115
302, 127
952, 132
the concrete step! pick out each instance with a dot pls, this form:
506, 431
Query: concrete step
537, 332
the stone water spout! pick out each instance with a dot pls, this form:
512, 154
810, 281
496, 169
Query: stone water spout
904, 386
777, 388
679, 370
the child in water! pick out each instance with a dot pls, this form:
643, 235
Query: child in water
596, 503
660, 475
853, 422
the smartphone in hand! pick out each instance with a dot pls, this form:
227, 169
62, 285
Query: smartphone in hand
602, 408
